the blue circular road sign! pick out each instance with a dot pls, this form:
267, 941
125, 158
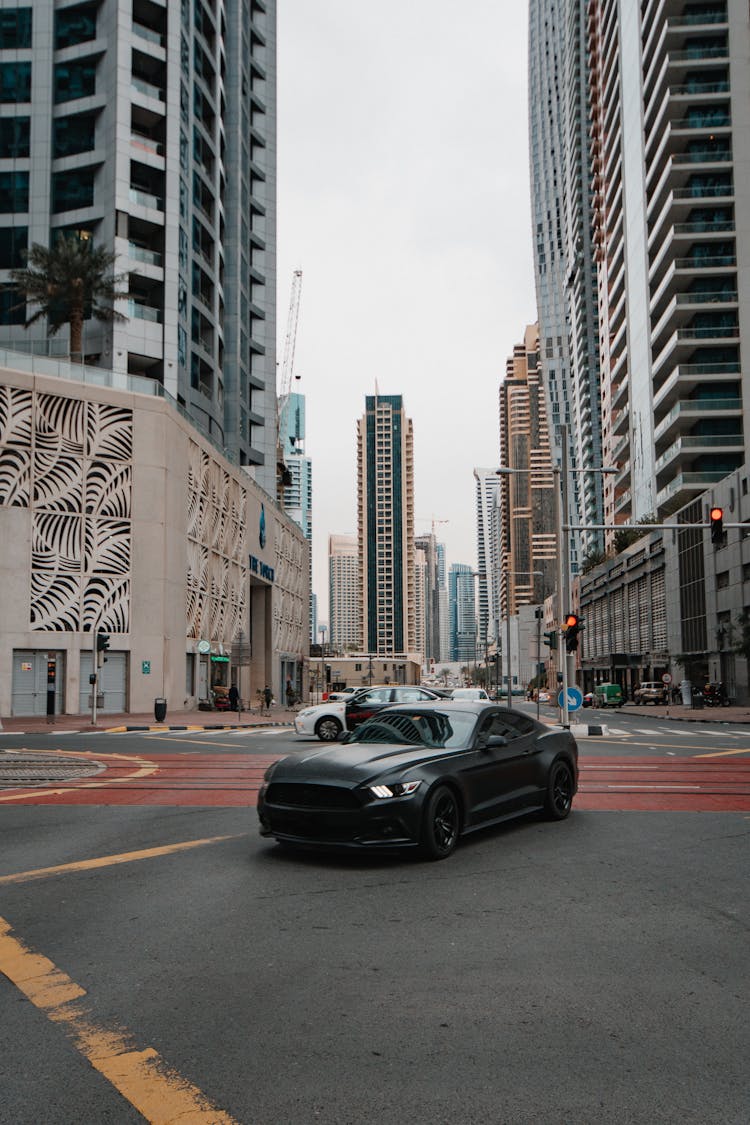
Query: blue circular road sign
575, 699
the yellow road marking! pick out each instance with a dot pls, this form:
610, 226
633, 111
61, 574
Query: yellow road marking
141, 730
156, 1091
724, 753
111, 860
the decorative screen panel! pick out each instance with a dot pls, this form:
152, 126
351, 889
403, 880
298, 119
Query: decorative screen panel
70, 462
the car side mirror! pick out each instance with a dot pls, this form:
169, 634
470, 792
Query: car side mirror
495, 742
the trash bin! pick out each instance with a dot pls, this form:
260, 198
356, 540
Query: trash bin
697, 700
160, 710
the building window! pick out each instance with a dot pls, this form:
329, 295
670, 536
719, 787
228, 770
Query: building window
15, 82
14, 137
71, 135
13, 242
15, 28
75, 25
75, 80
12, 306
73, 190
14, 192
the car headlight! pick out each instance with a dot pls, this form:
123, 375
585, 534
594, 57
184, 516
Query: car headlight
305, 714
397, 789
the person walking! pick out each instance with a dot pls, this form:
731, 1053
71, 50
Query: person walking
289, 694
267, 697
234, 698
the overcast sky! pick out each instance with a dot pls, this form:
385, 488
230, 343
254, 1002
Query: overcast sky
403, 196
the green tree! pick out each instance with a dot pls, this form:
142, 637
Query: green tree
69, 283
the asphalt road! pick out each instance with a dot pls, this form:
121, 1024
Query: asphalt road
589, 971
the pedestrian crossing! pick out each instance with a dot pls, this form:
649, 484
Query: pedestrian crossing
683, 732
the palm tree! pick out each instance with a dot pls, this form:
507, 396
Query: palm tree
68, 283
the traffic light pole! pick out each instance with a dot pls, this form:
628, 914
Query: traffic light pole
93, 678
563, 567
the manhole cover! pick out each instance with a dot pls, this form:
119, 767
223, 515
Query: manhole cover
26, 770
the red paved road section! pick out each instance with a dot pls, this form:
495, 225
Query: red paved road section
673, 784
233, 780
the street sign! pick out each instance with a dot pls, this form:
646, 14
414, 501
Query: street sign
575, 699
666, 678
146, 667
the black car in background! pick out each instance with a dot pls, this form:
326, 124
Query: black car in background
369, 701
419, 776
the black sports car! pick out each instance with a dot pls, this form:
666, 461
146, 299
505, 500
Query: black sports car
419, 776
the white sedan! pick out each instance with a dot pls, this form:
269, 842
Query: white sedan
326, 720
469, 693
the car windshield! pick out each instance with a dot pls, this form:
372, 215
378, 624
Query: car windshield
426, 728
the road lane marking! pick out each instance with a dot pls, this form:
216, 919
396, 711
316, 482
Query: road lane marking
725, 753
111, 860
140, 1076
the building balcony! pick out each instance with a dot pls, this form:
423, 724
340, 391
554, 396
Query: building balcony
147, 89
144, 255
687, 377
682, 308
139, 311
146, 145
686, 412
685, 485
620, 393
622, 502
621, 420
146, 199
684, 339
148, 35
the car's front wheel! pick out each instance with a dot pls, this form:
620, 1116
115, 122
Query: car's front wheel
560, 787
328, 728
441, 823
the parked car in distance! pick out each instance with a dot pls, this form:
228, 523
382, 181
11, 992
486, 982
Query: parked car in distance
327, 721
419, 776
588, 699
342, 693
543, 697
651, 691
608, 695
469, 693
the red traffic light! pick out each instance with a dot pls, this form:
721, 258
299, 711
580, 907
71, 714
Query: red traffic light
717, 513
571, 621
716, 516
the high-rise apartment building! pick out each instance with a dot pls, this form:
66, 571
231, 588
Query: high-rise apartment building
427, 549
385, 503
149, 128
669, 92
489, 557
297, 493
529, 536
463, 615
344, 593
564, 268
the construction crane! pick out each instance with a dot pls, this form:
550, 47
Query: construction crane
433, 522
284, 386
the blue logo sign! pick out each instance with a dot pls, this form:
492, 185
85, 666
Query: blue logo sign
262, 527
575, 699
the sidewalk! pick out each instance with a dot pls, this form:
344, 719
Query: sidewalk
175, 720
676, 712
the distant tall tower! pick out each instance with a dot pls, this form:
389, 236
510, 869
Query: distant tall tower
426, 548
488, 553
344, 607
529, 541
385, 501
463, 613
298, 493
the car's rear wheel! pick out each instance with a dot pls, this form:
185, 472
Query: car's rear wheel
328, 728
441, 823
560, 787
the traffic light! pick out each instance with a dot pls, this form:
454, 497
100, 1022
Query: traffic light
102, 642
716, 516
328, 673
550, 639
572, 628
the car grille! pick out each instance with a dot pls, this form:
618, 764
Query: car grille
311, 796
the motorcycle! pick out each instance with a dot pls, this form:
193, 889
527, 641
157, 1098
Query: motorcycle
715, 695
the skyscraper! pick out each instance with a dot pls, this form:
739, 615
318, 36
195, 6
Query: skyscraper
564, 267
149, 128
344, 593
385, 503
529, 541
297, 494
489, 558
426, 548
669, 95
463, 616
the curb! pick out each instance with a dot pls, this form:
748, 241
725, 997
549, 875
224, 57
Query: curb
692, 719
207, 726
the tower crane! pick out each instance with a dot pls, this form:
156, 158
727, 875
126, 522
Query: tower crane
285, 383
